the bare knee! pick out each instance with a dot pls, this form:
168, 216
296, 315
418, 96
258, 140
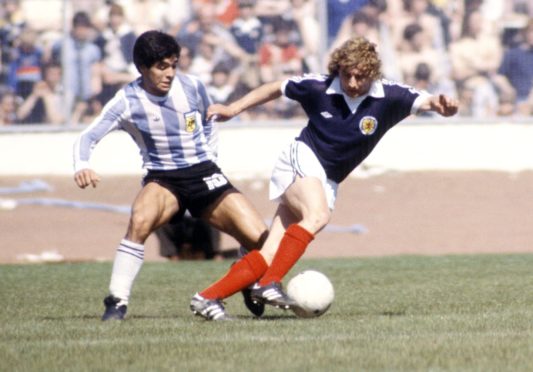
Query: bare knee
316, 220
250, 237
140, 227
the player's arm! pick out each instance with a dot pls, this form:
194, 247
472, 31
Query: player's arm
83, 174
441, 104
106, 122
264, 93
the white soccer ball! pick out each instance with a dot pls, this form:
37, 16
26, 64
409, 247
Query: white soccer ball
312, 291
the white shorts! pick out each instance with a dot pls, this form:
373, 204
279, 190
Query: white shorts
298, 159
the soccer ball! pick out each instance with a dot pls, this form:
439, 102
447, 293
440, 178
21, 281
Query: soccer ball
312, 291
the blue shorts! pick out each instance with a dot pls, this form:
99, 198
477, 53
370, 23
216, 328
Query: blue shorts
196, 187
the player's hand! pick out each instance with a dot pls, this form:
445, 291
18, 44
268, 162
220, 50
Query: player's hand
219, 112
86, 177
444, 105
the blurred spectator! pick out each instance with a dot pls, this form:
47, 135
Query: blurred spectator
204, 26
116, 46
475, 58
12, 22
523, 7
100, 14
204, 61
360, 25
86, 111
247, 28
25, 63
416, 49
45, 103
517, 67
281, 58
82, 61
9, 103
304, 15
437, 9
220, 88
423, 79
248, 32
338, 12
227, 11
418, 11
514, 17
268, 11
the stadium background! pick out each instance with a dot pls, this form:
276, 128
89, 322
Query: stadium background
430, 187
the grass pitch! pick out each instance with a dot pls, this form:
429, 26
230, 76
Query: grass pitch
407, 313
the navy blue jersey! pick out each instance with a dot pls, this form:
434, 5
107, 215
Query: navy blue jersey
342, 131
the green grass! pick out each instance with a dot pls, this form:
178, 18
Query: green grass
407, 313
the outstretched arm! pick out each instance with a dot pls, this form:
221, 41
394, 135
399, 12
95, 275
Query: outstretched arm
441, 104
264, 93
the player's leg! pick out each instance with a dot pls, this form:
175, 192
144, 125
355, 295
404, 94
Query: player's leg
304, 212
153, 207
306, 200
235, 215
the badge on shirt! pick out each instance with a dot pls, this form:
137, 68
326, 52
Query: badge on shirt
190, 121
368, 125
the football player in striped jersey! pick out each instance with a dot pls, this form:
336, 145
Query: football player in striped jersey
164, 112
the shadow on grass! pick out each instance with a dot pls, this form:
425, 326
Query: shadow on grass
99, 317
391, 313
170, 317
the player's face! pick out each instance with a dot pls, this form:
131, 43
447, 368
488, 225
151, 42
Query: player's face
157, 80
354, 82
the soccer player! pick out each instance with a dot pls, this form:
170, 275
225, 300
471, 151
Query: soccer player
349, 111
165, 114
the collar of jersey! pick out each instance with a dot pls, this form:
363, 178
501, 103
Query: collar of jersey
376, 90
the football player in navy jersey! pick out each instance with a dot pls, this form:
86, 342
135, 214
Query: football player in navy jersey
165, 114
349, 110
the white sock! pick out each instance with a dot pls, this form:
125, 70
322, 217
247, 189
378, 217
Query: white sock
127, 264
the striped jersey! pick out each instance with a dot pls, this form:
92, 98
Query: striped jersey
342, 131
170, 131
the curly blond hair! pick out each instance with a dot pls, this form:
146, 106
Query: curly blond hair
358, 53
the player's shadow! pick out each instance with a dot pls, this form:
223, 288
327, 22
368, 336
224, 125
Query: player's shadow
99, 317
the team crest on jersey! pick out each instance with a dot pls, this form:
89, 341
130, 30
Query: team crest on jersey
190, 121
368, 125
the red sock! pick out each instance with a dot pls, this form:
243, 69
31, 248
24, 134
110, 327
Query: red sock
291, 248
242, 274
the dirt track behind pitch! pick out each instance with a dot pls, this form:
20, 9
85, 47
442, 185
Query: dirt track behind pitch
403, 213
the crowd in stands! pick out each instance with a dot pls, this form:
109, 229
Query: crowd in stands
480, 51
